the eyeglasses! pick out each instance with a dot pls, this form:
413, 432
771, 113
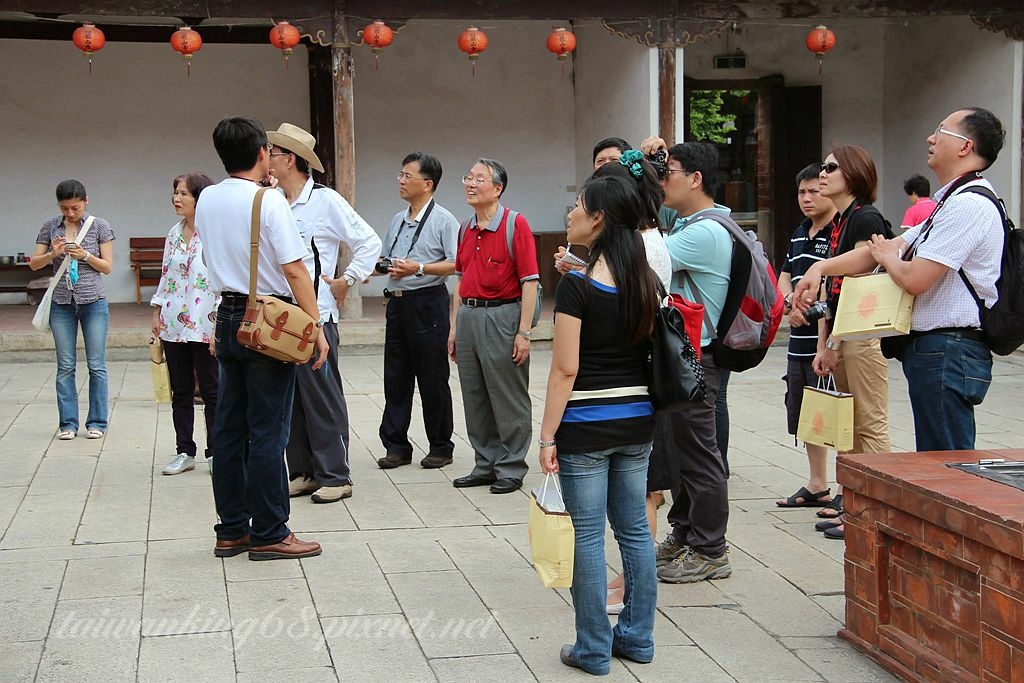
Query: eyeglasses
406, 176
678, 170
470, 180
940, 129
270, 146
280, 154
830, 167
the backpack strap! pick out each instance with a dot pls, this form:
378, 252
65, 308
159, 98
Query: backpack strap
510, 230
1001, 208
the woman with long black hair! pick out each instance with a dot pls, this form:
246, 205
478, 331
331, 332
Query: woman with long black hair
598, 419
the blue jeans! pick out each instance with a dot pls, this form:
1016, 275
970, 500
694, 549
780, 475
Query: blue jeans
254, 410
947, 376
612, 482
64, 321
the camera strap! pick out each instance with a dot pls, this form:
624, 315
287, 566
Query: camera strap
416, 235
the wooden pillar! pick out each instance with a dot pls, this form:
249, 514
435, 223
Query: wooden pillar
342, 71
667, 92
321, 109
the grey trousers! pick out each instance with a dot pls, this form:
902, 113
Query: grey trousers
318, 445
495, 391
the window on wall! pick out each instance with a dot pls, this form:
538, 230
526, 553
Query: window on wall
727, 119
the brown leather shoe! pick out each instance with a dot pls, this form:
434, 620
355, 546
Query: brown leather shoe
433, 462
391, 461
288, 548
232, 547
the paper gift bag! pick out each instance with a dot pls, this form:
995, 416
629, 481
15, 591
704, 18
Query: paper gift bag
872, 306
552, 536
826, 416
158, 369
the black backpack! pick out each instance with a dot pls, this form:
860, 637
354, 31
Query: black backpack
1003, 324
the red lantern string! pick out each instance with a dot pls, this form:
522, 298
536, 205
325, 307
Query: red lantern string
561, 42
187, 42
820, 40
89, 40
473, 41
378, 36
284, 37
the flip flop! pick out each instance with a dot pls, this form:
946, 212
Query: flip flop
826, 524
836, 533
805, 499
833, 509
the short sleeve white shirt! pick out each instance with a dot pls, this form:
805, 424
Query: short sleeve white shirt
223, 221
967, 233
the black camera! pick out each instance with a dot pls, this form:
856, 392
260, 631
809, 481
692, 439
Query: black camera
383, 265
659, 160
819, 310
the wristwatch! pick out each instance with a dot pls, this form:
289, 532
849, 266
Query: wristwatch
831, 344
350, 281
528, 334
419, 271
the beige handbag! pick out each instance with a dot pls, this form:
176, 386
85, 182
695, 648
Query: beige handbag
159, 372
552, 536
826, 416
273, 327
872, 306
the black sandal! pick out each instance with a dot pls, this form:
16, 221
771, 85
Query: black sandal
826, 524
836, 533
833, 509
804, 499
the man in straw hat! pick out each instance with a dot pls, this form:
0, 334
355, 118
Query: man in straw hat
318, 445
250, 481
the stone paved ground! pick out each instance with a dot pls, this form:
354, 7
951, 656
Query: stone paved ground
106, 569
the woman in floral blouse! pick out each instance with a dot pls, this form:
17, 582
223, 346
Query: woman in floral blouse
184, 313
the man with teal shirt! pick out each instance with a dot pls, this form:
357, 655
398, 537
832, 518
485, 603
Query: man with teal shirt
701, 251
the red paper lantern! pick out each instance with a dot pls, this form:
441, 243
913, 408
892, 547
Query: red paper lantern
89, 40
284, 37
187, 42
561, 43
378, 36
473, 41
820, 40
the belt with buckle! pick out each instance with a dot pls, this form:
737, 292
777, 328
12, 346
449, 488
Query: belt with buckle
970, 333
488, 303
401, 293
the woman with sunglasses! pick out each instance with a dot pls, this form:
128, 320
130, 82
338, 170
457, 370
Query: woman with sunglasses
78, 299
598, 419
848, 177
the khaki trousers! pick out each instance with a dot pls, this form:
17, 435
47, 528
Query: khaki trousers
864, 372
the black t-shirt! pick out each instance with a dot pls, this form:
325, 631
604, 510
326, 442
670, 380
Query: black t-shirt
609, 405
857, 224
804, 251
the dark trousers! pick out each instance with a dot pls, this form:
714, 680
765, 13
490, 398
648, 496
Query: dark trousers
318, 445
416, 352
700, 502
722, 417
187, 363
254, 407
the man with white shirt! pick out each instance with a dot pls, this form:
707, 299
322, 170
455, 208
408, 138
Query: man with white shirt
254, 402
318, 445
946, 361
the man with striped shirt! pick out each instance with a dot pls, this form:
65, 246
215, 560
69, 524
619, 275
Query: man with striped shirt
810, 243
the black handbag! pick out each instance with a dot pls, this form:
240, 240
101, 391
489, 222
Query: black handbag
676, 375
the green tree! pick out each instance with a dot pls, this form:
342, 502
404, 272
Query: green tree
708, 121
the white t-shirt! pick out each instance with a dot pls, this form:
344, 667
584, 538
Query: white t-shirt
967, 233
223, 221
658, 257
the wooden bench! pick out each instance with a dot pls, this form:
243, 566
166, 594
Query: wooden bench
147, 255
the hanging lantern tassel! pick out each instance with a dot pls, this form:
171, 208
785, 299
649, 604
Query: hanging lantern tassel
89, 40
473, 41
378, 36
820, 40
186, 42
561, 42
284, 37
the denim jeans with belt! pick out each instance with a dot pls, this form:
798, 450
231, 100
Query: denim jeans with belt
947, 376
64, 321
254, 410
612, 482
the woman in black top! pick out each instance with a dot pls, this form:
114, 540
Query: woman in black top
848, 177
598, 412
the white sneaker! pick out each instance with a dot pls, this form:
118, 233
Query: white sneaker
181, 463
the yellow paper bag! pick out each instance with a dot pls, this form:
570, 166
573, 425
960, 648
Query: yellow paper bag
158, 370
826, 417
872, 306
552, 536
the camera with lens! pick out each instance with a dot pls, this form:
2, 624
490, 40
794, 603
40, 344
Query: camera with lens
819, 310
383, 265
659, 160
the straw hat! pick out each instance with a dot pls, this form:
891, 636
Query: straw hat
296, 140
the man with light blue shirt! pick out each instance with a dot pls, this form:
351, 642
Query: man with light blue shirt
418, 256
701, 252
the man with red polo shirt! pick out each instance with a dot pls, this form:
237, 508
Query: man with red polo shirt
492, 321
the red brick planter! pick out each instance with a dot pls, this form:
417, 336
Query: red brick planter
934, 566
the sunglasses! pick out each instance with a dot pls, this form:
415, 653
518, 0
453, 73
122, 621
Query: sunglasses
830, 167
